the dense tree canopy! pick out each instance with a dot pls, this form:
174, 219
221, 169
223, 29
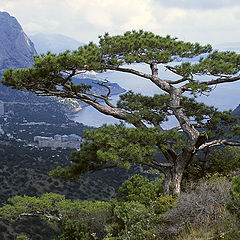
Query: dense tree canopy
200, 126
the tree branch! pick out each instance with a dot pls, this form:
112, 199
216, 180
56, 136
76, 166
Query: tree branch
157, 165
37, 214
218, 143
129, 70
154, 69
173, 70
103, 166
177, 81
163, 84
107, 110
221, 80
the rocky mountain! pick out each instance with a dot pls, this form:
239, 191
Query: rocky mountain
55, 43
16, 49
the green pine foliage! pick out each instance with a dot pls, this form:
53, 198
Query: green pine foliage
111, 146
141, 189
76, 219
141, 46
132, 220
223, 161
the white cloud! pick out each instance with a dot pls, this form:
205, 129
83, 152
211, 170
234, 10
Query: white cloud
33, 27
195, 4
141, 17
209, 26
86, 19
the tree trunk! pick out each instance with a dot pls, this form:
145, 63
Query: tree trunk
173, 175
172, 183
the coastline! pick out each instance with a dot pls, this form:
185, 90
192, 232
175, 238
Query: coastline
89, 116
82, 106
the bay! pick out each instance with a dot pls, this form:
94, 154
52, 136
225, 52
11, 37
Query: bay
225, 96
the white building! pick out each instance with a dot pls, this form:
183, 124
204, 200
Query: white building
72, 141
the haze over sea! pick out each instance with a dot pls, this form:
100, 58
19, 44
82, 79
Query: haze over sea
224, 97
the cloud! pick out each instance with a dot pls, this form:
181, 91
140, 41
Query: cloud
81, 18
114, 16
208, 26
195, 4
205, 21
33, 27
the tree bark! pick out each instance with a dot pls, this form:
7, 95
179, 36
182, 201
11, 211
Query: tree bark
174, 174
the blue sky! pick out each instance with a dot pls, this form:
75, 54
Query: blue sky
205, 21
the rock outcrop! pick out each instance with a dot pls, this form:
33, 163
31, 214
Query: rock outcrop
16, 49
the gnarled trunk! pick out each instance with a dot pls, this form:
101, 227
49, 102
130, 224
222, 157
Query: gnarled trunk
173, 175
173, 179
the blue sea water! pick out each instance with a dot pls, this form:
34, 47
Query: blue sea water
225, 96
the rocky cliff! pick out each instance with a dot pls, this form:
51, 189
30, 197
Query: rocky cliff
16, 49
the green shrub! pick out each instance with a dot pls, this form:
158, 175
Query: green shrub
234, 205
221, 161
132, 220
84, 219
76, 219
138, 213
163, 203
141, 189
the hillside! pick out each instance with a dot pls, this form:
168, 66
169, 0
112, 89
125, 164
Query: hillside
25, 167
16, 49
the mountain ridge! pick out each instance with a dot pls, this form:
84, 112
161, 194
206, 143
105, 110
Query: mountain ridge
16, 49
55, 43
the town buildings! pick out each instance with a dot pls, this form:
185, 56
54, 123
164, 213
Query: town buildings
59, 141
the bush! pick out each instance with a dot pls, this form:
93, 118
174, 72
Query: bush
222, 161
137, 215
202, 205
141, 189
163, 203
132, 220
84, 219
76, 219
234, 205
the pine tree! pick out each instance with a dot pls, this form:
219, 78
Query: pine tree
200, 126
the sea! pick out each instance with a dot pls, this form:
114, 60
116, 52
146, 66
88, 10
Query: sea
224, 96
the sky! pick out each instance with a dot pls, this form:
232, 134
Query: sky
204, 21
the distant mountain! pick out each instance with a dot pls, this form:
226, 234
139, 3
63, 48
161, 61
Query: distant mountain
16, 49
55, 43
228, 46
